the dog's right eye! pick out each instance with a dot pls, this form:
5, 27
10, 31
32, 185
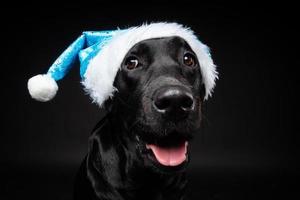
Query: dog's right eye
131, 63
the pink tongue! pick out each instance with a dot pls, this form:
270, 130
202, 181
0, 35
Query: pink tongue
171, 156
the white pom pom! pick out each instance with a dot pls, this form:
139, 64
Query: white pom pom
42, 87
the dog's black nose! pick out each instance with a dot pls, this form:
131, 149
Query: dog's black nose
174, 100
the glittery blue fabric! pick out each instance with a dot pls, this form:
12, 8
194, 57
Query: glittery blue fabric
85, 48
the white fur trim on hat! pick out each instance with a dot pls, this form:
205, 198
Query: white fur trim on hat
101, 72
42, 87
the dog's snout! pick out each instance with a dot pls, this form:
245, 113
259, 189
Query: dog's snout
174, 100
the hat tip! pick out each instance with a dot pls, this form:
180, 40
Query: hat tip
42, 87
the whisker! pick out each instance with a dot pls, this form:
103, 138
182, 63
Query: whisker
133, 125
205, 119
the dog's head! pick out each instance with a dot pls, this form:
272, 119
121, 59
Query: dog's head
160, 93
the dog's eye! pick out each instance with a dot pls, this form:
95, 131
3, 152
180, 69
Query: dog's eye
131, 63
189, 60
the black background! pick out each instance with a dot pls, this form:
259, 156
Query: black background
247, 148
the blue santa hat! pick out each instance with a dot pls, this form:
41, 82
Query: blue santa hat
101, 53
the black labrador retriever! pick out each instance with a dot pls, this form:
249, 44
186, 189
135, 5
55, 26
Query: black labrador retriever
140, 149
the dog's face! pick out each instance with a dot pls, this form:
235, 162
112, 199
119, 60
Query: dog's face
160, 93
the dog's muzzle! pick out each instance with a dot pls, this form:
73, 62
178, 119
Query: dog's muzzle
173, 106
173, 103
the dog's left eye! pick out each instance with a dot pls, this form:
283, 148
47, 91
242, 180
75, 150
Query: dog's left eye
131, 63
189, 60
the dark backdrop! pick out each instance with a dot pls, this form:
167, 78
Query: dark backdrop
247, 148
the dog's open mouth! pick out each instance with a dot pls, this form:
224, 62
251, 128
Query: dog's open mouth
169, 156
169, 153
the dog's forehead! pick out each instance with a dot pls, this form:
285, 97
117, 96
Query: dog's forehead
163, 43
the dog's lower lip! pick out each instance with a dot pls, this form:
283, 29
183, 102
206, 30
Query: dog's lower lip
169, 156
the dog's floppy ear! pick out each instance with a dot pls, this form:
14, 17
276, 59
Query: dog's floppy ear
202, 92
101, 54
108, 105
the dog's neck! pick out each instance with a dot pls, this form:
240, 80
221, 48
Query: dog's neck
118, 171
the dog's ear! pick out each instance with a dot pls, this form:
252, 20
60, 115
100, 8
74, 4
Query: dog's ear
202, 92
108, 105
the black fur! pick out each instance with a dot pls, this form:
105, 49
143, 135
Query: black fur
118, 166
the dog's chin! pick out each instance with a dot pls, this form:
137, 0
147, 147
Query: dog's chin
165, 155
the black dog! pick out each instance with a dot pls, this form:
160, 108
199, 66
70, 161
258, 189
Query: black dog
140, 149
